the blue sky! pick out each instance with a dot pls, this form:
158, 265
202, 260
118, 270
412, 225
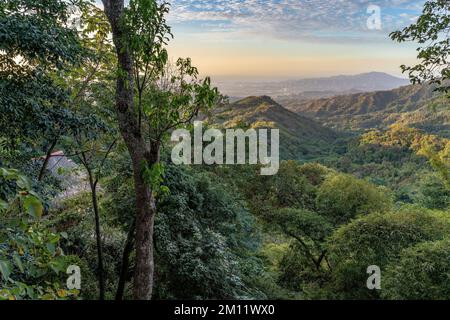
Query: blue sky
279, 39
290, 19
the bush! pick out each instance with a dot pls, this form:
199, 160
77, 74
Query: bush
32, 263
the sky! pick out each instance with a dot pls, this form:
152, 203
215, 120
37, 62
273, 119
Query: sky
288, 39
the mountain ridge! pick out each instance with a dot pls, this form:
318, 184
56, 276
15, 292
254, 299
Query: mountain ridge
410, 104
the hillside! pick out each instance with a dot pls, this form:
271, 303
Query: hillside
415, 105
300, 138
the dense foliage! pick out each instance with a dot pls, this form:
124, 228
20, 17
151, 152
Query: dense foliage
85, 176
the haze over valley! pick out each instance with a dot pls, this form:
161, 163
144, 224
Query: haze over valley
311, 88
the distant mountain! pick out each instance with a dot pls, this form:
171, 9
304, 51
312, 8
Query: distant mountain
300, 138
415, 105
316, 87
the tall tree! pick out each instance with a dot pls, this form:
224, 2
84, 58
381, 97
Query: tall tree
37, 43
94, 141
140, 152
139, 34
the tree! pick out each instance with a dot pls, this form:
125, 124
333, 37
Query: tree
433, 193
294, 186
307, 203
297, 273
309, 229
342, 197
37, 42
204, 236
420, 273
93, 160
139, 151
431, 31
378, 239
93, 142
145, 153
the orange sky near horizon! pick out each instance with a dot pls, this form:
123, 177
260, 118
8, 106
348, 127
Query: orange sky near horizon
285, 39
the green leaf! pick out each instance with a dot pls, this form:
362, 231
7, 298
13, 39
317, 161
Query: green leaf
51, 247
33, 206
54, 238
5, 269
58, 264
23, 182
18, 262
8, 173
3, 205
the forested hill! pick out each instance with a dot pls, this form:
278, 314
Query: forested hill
414, 105
300, 137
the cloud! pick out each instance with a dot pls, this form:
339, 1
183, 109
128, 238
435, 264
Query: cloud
292, 19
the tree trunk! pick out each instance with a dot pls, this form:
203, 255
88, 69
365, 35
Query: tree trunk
47, 159
143, 274
129, 244
101, 275
139, 152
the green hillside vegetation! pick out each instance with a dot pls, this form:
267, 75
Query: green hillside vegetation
321, 229
393, 164
413, 127
300, 137
401, 158
414, 105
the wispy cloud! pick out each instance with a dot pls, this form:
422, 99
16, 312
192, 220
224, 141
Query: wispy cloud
292, 19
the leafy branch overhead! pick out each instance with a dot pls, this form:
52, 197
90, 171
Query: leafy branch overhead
432, 33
